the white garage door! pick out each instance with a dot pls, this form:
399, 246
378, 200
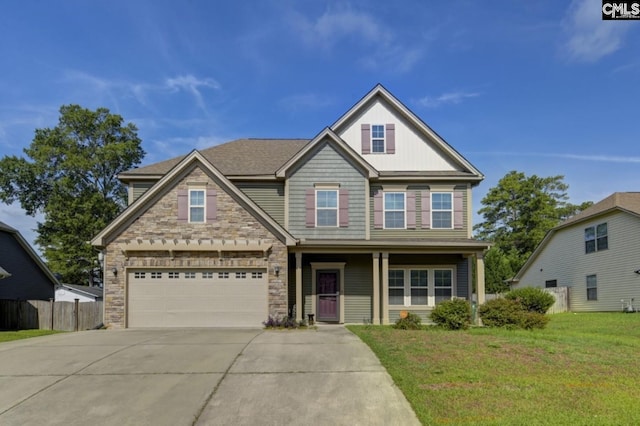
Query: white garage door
197, 298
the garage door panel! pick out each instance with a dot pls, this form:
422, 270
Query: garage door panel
208, 300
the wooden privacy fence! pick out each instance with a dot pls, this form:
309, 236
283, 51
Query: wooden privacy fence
562, 299
48, 315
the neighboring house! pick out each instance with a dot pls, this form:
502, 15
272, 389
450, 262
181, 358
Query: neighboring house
369, 218
84, 293
29, 278
596, 254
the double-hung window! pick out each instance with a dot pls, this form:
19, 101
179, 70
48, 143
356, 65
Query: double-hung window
377, 138
592, 287
442, 210
196, 205
443, 284
419, 286
596, 238
394, 210
327, 208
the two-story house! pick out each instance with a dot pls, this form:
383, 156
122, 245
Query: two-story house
369, 218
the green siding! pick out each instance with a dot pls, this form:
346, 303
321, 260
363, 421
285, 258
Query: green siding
269, 196
327, 166
378, 234
139, 188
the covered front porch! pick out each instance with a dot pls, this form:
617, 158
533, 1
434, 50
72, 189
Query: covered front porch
371, 283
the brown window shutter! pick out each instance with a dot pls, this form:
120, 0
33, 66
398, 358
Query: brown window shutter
183, 205
411, 209
310, 204
366, 138
377, 210
458, 221
426, 209
390, 136
343, 214
212, 208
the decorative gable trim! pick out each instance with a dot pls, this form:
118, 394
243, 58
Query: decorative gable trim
194, 159
341, 146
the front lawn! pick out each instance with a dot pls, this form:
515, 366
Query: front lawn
582, 369
7, 336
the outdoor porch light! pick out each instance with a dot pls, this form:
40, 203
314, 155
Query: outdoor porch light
115, 271
276, 269
4, 273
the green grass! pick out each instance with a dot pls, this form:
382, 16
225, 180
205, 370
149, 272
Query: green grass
583, 369
7, 336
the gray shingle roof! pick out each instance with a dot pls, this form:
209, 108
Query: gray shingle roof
629, 201
242, 157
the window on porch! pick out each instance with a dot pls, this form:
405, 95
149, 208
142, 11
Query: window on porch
410, 286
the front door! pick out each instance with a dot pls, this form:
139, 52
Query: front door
328, 288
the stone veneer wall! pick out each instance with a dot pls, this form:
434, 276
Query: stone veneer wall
160, 221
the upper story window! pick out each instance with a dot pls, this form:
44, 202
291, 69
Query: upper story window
442, 210
327, 208
596, 238
394, 210
196, 205
377, 138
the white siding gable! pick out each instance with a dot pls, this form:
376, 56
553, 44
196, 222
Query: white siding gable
413, 150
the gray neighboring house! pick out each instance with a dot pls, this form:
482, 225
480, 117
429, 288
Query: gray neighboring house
596, 254
29, 278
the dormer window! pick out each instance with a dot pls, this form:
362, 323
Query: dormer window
377, 138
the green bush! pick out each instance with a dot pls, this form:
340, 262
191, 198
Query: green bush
452, 314
411, 322
532, 299
509, 313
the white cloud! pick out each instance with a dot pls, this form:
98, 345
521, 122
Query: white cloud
344, 25
589, 37
446, 98
192, 85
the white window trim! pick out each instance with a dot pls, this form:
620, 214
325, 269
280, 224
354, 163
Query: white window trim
384, 209
441, 210
431, 283
204, 204
336, 208
384, 139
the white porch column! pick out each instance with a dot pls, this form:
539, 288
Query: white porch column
385, 288
480, 277
376, 289
298, 286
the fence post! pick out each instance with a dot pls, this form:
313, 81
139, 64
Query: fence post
52, 305
76, 314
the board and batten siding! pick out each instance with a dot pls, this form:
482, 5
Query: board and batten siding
269, 196
327, 166
137, 189
564, 259
419, 231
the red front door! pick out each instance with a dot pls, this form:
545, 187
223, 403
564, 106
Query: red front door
328, 288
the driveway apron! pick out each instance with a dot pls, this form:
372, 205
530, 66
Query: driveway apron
197, 376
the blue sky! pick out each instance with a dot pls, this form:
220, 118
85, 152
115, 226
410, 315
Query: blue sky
542, 87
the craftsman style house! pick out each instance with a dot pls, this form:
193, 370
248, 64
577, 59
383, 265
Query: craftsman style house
369, 218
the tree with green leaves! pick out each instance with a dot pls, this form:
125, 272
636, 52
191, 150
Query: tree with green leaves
70, 176
517, 214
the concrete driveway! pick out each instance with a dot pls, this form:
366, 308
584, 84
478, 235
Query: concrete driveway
197, 376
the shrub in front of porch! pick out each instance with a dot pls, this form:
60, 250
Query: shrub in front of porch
409, 322
452, 314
